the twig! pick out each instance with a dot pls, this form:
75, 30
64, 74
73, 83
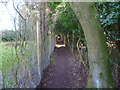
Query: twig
18, 11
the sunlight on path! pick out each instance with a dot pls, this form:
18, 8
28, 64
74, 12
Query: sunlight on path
59, 46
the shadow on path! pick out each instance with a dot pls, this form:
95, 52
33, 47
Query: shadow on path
64, 73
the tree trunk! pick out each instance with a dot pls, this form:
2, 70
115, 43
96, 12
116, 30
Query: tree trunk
72, 43
100, 74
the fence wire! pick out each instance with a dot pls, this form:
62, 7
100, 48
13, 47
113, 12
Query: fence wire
26, 50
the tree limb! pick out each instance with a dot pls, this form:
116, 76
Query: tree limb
18, 11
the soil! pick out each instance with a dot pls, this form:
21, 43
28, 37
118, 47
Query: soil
66, 72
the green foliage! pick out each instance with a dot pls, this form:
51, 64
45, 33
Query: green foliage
67, 21
9, 60
53, 6
109, 14
9, 64
9, 35
3, 43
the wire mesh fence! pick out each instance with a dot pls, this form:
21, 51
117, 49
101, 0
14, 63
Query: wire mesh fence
25, 51
21, 62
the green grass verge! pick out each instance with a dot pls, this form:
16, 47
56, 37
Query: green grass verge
9, 63
3, 43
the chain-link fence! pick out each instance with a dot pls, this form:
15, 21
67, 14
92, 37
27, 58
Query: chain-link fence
26, 50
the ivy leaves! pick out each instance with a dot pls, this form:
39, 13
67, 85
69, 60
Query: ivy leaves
108, 13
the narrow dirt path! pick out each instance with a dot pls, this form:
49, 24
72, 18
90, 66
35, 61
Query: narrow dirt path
61, 74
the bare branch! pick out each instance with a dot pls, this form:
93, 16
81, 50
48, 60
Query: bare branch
18, 11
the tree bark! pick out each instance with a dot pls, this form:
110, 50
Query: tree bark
72, 43
100, 74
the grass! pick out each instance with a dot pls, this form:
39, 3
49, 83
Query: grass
3, 43
8, 64
8, 57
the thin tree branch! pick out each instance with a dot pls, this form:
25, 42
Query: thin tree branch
18, 11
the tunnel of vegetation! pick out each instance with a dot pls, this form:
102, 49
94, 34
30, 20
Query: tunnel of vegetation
107, 16
95, 32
